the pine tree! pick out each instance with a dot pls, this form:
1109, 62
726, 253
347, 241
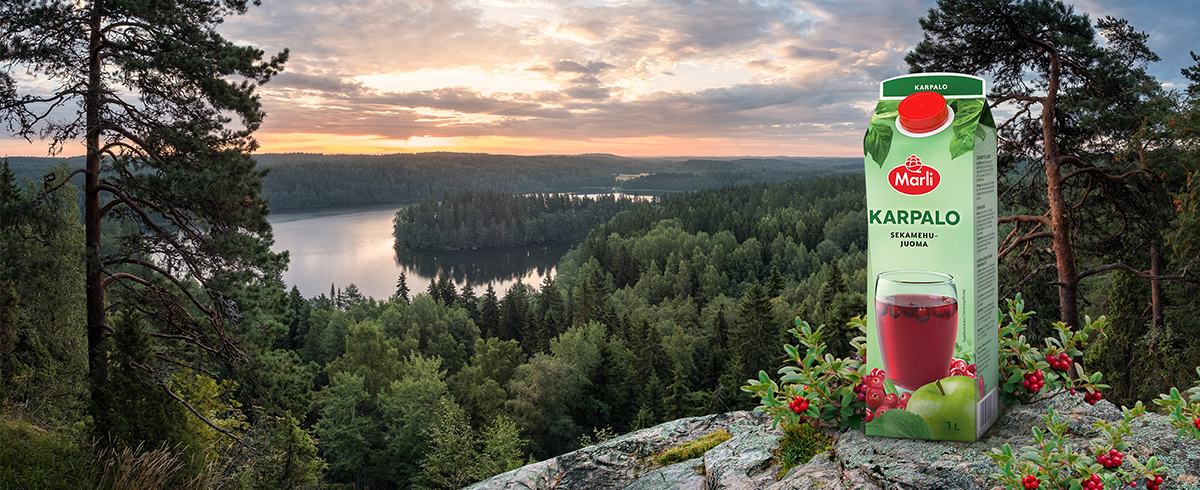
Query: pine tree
718, 347
758, 337
468, 301
514, 316
1088, 99
156, 88
443, 289
647, 347
593, 293
402, 287
776, 285
548, 315
675, 405
489, 314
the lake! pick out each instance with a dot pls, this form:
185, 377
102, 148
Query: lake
340, 245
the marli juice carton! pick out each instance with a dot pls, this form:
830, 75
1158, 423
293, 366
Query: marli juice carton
932, 332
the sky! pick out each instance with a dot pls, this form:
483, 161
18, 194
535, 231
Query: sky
627, 77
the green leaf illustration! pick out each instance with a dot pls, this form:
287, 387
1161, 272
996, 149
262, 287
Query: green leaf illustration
886, 110
962, 143
966, 119
878, 141
900, 423
986, 120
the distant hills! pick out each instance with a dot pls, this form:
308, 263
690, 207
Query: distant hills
309, 179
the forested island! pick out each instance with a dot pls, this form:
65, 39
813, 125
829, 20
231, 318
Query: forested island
489, 219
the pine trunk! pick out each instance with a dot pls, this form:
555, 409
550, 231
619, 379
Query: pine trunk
96, 325
1060, 220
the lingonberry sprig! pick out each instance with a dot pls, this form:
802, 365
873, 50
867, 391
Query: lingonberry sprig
1056, 464
826, 384
1184, 413
1029, 374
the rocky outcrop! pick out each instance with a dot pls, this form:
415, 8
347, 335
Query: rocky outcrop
856, 462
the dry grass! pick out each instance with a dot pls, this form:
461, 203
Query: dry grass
134, 468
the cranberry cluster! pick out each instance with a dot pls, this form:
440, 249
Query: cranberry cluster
1092, 397
868, 381
1033, 381
959, 367
1030, 482
798, 404
1093, 483
1153, 484
1061, 362
1196, 422
872, 391
1111, 460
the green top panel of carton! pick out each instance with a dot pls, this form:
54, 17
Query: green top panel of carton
947, 84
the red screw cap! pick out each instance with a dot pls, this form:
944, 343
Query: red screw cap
923, 112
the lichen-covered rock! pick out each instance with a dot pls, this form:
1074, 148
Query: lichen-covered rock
856, 462
624, 462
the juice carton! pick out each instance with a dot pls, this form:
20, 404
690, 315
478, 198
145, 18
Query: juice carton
932, 332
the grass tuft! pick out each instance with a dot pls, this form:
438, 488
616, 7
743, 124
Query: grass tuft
800, 443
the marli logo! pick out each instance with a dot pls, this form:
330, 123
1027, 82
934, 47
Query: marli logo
914, 178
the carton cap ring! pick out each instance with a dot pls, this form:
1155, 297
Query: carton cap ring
923, 112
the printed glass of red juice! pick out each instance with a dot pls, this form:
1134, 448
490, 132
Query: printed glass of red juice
916, 315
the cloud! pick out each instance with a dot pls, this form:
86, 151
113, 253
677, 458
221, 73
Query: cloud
803, 54
762, 70
325, 84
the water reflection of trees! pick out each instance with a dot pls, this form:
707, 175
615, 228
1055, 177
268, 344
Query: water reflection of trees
484, 266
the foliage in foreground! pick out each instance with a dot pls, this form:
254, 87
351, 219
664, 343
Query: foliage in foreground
819, 391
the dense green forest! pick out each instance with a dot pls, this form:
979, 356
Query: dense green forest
490, 219
660, 313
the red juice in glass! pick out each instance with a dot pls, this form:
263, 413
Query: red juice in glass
916, 326
916, 335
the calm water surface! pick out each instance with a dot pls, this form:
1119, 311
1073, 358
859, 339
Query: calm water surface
353, 244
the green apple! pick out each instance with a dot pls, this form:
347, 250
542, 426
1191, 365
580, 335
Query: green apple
948, 405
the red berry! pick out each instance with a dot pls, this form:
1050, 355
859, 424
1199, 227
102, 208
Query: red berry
870, 415
1196, 422
958, 363
891, 400
881, 410
875, 397
799, 404
875, 382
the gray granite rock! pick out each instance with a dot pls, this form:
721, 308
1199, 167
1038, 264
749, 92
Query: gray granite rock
856, 461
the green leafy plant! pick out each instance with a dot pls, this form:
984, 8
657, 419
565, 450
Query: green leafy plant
824, 383
1055, 463
1184, 414
1029, 374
